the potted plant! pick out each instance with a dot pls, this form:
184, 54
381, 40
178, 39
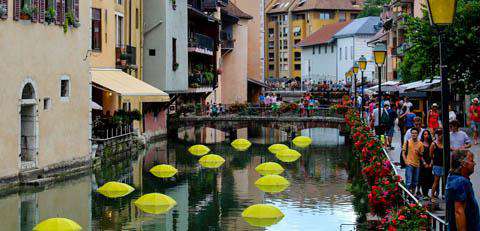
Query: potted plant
3, 10
50, 15
27, 12
123, 59
208, 76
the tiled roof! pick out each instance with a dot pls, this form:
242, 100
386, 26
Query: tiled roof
304, 5
233, 10
323, 35
360, 26
280, 6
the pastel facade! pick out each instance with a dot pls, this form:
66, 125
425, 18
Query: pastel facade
45, 93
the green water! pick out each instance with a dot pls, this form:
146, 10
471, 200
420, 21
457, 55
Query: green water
206, 199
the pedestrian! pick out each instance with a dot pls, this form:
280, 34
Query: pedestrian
376, 120
408, 134
392, 113
261, 100
411, 151
451, 114
426, 176
408, 105
432, 118
459, 140
436, 154
411, 120
302, 107
385, 120
268, 100
474, 112
461, 204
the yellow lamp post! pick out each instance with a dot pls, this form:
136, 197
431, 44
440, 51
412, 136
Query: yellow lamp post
442, 13
379, 53
362, 63
355, 72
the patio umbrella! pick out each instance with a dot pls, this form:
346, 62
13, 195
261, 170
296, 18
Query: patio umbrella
241, 144
211, 161
262, 215
155, 203
163, 171
96, 106
269, 168
302, 141
115, 189
199, 150
274, 148
288, 155
57, 224
272, 183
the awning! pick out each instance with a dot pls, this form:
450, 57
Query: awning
260, 83
96, 106
126, 85
420, 85
389, 86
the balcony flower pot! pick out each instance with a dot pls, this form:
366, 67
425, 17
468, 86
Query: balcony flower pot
27, 12
50, 15
123, 59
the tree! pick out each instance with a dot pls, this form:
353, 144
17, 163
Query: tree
373, 8
462, 48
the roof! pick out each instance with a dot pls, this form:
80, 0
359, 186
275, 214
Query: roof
323, 35
257, 82
360, 26
380, 36
233, 10
305, 5
280, 6
127, 85
420, 85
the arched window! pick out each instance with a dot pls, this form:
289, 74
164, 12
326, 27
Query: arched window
28, 91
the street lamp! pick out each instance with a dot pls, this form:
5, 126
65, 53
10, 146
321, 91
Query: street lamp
379, 53
442, 13
362, 63
355, 72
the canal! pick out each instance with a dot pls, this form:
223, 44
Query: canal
207, 199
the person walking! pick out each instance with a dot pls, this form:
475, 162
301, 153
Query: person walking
436, 154
411, 151
451, 114
432, 118
409, 122
426, 176
392, 113
474, 112
461, 204
376, 120
459, 140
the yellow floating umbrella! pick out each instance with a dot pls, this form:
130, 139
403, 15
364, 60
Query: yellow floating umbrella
241, 144
269, 168
302, 141
288, 155
57, 224
274, 148
155, 203
115, 189
262, 215
272, 183
211, 161
199, 150
163, 171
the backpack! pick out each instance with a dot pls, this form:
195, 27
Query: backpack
385, 119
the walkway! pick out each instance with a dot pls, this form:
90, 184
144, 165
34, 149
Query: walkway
475, 178
236, 118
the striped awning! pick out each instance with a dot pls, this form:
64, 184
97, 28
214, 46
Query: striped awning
127, 85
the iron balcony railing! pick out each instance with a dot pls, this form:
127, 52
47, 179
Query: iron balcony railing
201, 41
202, 81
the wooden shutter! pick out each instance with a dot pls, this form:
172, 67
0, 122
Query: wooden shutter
76, 9
41, 10
35, 14
5, 3
60, 11
16, 9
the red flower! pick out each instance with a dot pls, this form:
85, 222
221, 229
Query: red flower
401, 217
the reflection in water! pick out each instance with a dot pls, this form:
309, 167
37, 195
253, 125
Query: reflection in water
207, 199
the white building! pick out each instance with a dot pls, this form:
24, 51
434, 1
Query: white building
319, 54
351, 43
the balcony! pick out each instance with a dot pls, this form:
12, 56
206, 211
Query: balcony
202, 82
207, 5
201, 44
227, 40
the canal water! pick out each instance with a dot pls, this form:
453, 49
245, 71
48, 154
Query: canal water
317, 198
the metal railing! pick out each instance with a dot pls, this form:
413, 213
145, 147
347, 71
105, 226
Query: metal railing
103, 134
201, 41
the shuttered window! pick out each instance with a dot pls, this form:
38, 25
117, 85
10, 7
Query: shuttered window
4, 5
96, 29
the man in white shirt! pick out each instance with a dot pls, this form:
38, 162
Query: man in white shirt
417, 124
459, 140
407, 104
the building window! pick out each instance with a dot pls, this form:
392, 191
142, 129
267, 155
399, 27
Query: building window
119, 29
298, 16
326, 15
319, 49
127, 106
151, 52
298, 56
47, 103
332, 47
313, 50
297, 31
64, 88
174, 54
137, 18
271, 67
96, 29
342, 16
340, 53
119, 2
298, 67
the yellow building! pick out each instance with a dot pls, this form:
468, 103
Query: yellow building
289, 21
117, 64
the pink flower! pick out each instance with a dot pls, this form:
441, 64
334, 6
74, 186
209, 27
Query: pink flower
401, 217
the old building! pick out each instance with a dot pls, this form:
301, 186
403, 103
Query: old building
45, 90
290, 21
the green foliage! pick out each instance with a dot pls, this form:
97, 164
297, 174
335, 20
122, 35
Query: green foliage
462, 48
3, 9
28, 10
373, 8
50, 15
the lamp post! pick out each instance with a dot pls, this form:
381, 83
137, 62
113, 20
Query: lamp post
362, 63
379, 53
442, 13
355, 71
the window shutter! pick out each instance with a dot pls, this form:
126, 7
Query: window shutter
35, 14
76, 9
62, 10
60, 17
16, 9
5, 3
41, 11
